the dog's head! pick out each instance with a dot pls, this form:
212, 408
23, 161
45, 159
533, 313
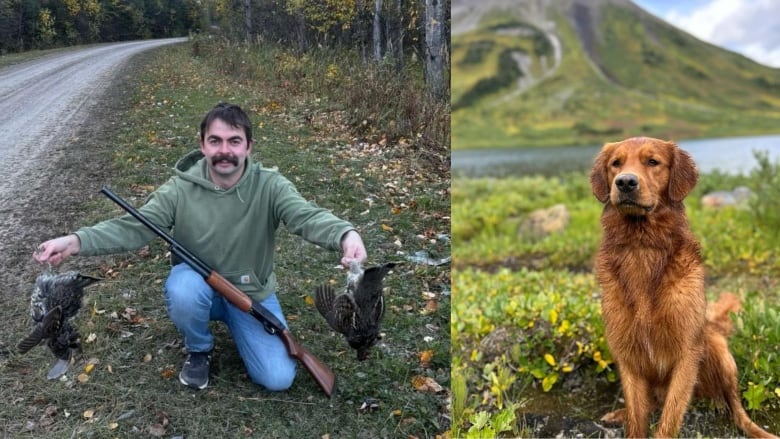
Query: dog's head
638, 174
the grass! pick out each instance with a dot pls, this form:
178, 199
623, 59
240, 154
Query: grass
527, 336
393, 187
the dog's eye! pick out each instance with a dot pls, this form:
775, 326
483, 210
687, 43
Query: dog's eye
653, 162
616, 163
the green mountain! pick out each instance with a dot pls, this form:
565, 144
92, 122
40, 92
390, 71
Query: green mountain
569, 72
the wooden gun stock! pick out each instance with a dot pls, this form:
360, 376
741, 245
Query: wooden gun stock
321, 374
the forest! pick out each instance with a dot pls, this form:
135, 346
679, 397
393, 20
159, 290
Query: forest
386, 31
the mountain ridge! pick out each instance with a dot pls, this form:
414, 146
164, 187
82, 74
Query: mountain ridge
542, 72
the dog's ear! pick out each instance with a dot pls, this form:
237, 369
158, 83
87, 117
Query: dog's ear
598, 175
682, 174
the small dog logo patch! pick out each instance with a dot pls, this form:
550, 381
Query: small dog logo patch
245, 279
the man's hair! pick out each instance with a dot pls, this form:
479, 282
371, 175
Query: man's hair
232, 115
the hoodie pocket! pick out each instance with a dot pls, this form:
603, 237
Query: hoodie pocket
245, 280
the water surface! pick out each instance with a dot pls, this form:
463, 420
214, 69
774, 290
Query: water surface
733, 155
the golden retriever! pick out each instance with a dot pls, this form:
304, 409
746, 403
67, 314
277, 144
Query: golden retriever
668, 347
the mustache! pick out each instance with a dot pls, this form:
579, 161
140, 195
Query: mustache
226, 157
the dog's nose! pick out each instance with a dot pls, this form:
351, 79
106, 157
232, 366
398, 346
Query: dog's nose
627, 182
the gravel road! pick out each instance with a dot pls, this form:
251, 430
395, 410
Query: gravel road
43, 100
54, 155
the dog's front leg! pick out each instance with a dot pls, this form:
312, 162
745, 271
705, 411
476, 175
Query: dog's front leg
678, 396
636, 390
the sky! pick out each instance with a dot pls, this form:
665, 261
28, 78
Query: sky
749, 27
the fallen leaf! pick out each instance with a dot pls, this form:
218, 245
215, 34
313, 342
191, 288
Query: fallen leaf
144, 251
408, 421
425, 358
83, 378
157, 430
430, 307
309, 301
426, 384
88, 414
113, 426
163, 417
386, 228
168, 372
147, 358
91, 337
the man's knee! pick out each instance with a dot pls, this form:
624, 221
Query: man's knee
275, 379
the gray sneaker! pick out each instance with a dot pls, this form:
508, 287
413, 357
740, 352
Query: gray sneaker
195, 370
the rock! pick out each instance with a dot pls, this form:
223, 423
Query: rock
499, 342
543, 222
739, 197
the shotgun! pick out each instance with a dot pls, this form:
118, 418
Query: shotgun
321, 374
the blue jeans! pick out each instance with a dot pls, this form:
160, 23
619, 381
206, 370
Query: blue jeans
192, 303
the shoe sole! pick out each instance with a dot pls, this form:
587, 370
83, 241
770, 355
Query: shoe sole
192, 386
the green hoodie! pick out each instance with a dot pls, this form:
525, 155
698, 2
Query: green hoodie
231, 230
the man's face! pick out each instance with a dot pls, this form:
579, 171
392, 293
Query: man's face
226, 150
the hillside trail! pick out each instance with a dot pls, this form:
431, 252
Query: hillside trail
49, 104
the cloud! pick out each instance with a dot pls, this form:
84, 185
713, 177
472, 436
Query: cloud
748, 27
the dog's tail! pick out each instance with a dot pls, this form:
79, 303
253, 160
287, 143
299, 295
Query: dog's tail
746, 425
718, 313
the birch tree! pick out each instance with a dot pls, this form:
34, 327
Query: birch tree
377, 34
435, 47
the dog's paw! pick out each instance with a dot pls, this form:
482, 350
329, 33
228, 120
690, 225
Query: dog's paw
617, 417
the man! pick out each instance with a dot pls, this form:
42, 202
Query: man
225, 209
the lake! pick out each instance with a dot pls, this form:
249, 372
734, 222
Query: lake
733, 155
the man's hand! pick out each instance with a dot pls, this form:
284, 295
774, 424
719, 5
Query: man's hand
54, 251
353, 248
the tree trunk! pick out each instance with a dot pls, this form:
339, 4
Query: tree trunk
300, 24
248, 20
394, 33
435, 55
377, 30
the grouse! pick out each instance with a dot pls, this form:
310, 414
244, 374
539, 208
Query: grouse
358, 311
54, 302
